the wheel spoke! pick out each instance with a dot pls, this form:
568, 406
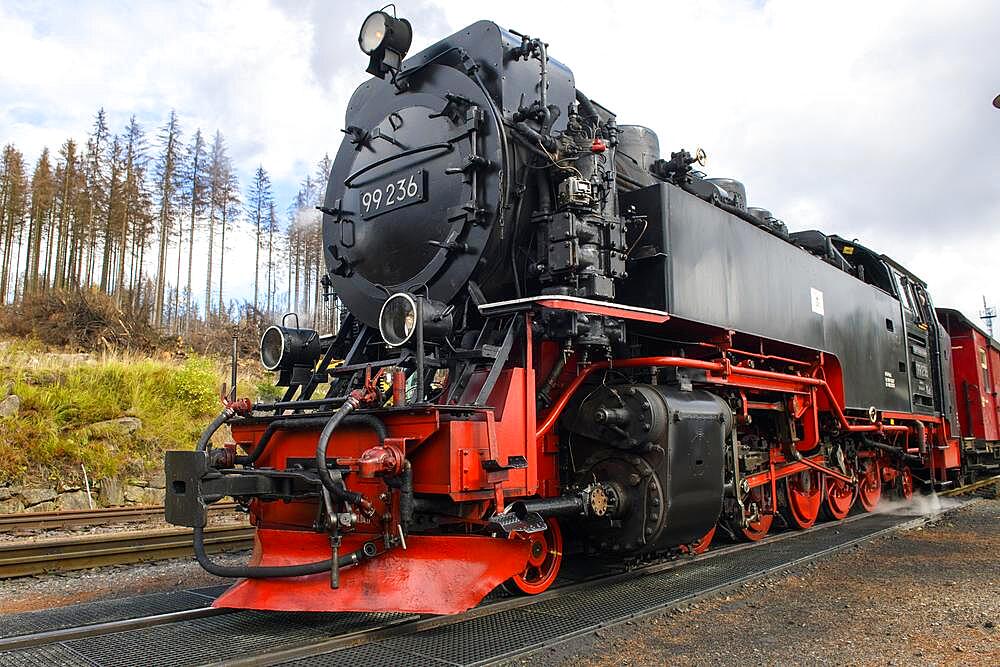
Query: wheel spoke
758, 528
838, 499
803, 498
869, 485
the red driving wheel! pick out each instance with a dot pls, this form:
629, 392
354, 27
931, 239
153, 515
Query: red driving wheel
756, 530
906, 483
804, 495
544, 559
838, 498
869, 484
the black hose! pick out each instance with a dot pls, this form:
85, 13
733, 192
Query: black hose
376, 425
406, 495
210, 430
587, 108
372, 422
337, 488
557, 369
321, 445
342, 416
268, 571
544, 204
535, 136
278, 425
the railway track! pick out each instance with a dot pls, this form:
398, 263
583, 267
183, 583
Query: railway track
497, 630
975, 486
19, 558
93, 517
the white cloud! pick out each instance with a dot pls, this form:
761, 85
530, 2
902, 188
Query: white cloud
871, 120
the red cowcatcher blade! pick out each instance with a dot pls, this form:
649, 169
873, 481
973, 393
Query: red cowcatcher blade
434, 575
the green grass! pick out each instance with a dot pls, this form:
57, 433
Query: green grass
60, 399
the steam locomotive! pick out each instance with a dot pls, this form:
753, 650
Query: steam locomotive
558, 341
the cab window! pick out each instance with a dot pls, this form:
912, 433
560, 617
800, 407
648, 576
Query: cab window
903, 289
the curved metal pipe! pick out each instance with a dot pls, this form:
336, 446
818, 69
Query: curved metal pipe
214, 426
337, 489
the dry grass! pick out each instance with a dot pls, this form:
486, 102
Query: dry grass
62, 394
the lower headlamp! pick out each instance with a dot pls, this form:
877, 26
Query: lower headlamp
291, 352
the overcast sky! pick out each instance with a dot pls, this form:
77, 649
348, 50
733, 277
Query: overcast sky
872, 120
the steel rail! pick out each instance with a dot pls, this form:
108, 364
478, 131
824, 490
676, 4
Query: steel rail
19, 559
94, 629
968, 488
87, 517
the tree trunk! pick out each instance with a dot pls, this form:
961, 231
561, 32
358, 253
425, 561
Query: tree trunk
211, 247
222, 255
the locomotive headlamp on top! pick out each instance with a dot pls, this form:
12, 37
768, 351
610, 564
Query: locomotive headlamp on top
385, 39
291, 352
406, 318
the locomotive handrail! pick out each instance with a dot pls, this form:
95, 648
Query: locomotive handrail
445, 146
299, 404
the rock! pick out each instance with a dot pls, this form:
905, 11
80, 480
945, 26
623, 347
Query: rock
120, 426
33, 496
8, 492
143, 495
134, 494
111, 493
48, 506
71, 358
11, 506
75, 500
10, 406
158, 481
154, 496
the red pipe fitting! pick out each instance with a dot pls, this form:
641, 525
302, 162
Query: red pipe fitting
380, 460
241, 406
